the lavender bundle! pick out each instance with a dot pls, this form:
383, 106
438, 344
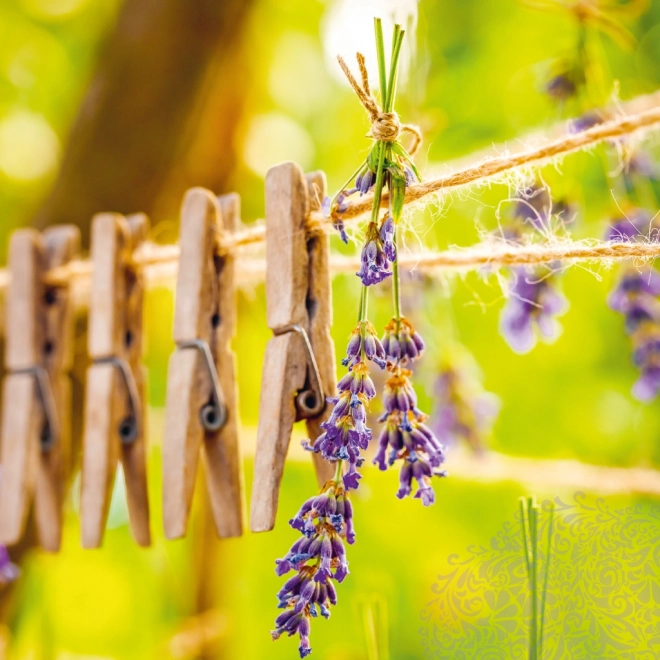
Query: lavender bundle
325, 522
635, 296
534, 298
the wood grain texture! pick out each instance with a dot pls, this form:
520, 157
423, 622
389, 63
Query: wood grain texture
222, 451
39, 334
285, 361
284, 373
205, 309
319, 310
115, 330
62, 244
287, 206
24, 330
22, 420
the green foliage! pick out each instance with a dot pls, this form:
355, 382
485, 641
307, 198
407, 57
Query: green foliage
473, 78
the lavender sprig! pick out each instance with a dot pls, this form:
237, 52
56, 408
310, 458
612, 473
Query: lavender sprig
636, 298
319, 556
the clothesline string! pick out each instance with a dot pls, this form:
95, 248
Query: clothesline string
645, 116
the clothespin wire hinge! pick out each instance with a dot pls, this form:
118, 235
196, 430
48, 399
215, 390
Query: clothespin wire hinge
129, 427
213, 415
51, 430
310, 402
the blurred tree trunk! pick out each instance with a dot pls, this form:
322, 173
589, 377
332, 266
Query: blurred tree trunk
137, 119
159, 115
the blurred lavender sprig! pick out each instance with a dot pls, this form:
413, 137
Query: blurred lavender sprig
464, 411
635, 296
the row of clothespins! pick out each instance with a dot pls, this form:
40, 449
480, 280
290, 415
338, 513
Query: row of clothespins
201, 407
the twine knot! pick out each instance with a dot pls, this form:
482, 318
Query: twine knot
385, 126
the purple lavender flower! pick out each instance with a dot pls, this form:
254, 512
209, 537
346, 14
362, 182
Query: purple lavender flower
8, 571
318, 557
386, 234
532, 302
536, 207
636, 298
365, 181
636, 225
639, 163
406, 438
346, 434
586, 121
463, 410
340, 206
647, 358
363, 340
401, 343
375, 265
561, 87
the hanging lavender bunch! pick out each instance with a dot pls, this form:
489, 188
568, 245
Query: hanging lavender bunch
463, 410
571, 75
406, 437
635, 296
534, 300
318, 557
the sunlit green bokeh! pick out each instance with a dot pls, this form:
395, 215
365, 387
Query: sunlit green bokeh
474, 74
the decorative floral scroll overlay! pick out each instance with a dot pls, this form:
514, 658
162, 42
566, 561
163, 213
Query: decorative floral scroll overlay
603, 597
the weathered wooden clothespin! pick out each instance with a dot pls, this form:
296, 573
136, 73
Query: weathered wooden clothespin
299, 365
36, 397
114, 426
201, 409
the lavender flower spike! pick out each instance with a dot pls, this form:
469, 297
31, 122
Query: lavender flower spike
8, 571
375, 265
533, 302
318, 557
401, 342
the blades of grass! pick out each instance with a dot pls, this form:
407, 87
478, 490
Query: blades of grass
369, 620
380, 53
533, 531
524, 521
548, 555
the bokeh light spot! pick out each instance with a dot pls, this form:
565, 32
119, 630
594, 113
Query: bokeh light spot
29, 148
274, 138
56, 9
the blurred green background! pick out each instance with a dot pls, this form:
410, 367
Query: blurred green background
121, 106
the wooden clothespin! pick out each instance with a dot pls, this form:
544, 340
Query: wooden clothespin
36, 398
299, 365
201, 410
114, 426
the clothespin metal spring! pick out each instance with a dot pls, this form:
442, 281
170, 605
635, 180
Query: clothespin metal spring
129, 427
50, 433
213, 416
310, 402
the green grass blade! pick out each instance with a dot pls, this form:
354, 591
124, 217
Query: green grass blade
548, 555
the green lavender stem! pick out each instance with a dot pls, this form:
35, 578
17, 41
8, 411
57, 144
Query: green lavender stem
530, 513
548, 554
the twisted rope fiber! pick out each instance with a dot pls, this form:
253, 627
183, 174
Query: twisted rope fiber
493, 167
646, 117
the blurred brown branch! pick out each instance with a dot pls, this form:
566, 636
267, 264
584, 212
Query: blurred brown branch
145, 108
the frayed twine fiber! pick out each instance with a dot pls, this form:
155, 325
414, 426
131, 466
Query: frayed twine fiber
491, 168
159, 262
644, 115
